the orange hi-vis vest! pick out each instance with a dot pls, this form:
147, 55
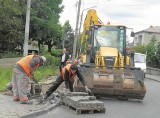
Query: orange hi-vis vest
68, 68
25, 64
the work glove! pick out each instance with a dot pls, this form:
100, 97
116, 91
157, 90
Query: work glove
87, 89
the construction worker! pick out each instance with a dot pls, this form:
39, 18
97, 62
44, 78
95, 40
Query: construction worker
22, 71
68, 74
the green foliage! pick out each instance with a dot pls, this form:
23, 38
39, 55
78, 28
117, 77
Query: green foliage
67, 27
139, 48
44, 71
11, 24
158, 54
57, 52
153, 52
45, 27
68, 37
44, 23
153, 39
52, 61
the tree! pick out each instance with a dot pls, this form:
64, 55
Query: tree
139, 48
45, 27
158, 54
68, 37
151, 53
11, 24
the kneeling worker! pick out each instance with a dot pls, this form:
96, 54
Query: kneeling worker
23, 70
68, 74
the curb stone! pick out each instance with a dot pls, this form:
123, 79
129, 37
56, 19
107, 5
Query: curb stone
40, 112
153, 79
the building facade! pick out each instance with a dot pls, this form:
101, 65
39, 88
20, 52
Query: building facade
144, 37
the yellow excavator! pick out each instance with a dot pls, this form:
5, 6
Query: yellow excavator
107, 66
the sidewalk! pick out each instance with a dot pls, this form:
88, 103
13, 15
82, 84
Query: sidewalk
12, 109
153, 77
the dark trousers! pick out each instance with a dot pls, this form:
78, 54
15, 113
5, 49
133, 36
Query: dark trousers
56, 84
62, 64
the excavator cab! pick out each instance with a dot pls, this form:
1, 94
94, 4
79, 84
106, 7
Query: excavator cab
108, 36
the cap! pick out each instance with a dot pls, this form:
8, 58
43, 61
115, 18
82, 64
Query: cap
43, 58
73, 67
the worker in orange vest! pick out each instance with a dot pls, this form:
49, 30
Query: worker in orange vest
68, 74
22, 71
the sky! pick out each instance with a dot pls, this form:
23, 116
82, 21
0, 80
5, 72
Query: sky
136, 14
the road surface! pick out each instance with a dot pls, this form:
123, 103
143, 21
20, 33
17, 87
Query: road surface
148, 108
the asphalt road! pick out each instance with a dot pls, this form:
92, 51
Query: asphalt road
148, 108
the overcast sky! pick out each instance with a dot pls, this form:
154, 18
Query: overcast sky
136, 14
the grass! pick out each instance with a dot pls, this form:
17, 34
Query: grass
43, 72
40, 74
5, 76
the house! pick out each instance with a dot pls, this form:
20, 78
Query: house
144, 37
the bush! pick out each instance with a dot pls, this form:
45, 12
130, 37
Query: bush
51, 60
56, 52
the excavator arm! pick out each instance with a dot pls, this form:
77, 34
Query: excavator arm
91, 19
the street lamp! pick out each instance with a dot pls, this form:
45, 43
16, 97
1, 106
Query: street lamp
81, 25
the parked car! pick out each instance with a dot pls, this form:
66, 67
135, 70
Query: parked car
140, 61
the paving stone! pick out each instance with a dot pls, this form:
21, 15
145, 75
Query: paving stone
81, 102
12, 109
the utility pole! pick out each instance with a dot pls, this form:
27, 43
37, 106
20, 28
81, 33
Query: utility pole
76, 31
64, 38
25, 45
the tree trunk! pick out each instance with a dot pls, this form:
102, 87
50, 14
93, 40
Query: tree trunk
39, 45
49, 46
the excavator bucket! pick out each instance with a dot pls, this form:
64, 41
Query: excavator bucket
104, 82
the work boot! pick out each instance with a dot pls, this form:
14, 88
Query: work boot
26, 102
16, 98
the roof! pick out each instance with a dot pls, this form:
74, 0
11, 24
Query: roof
151, 29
